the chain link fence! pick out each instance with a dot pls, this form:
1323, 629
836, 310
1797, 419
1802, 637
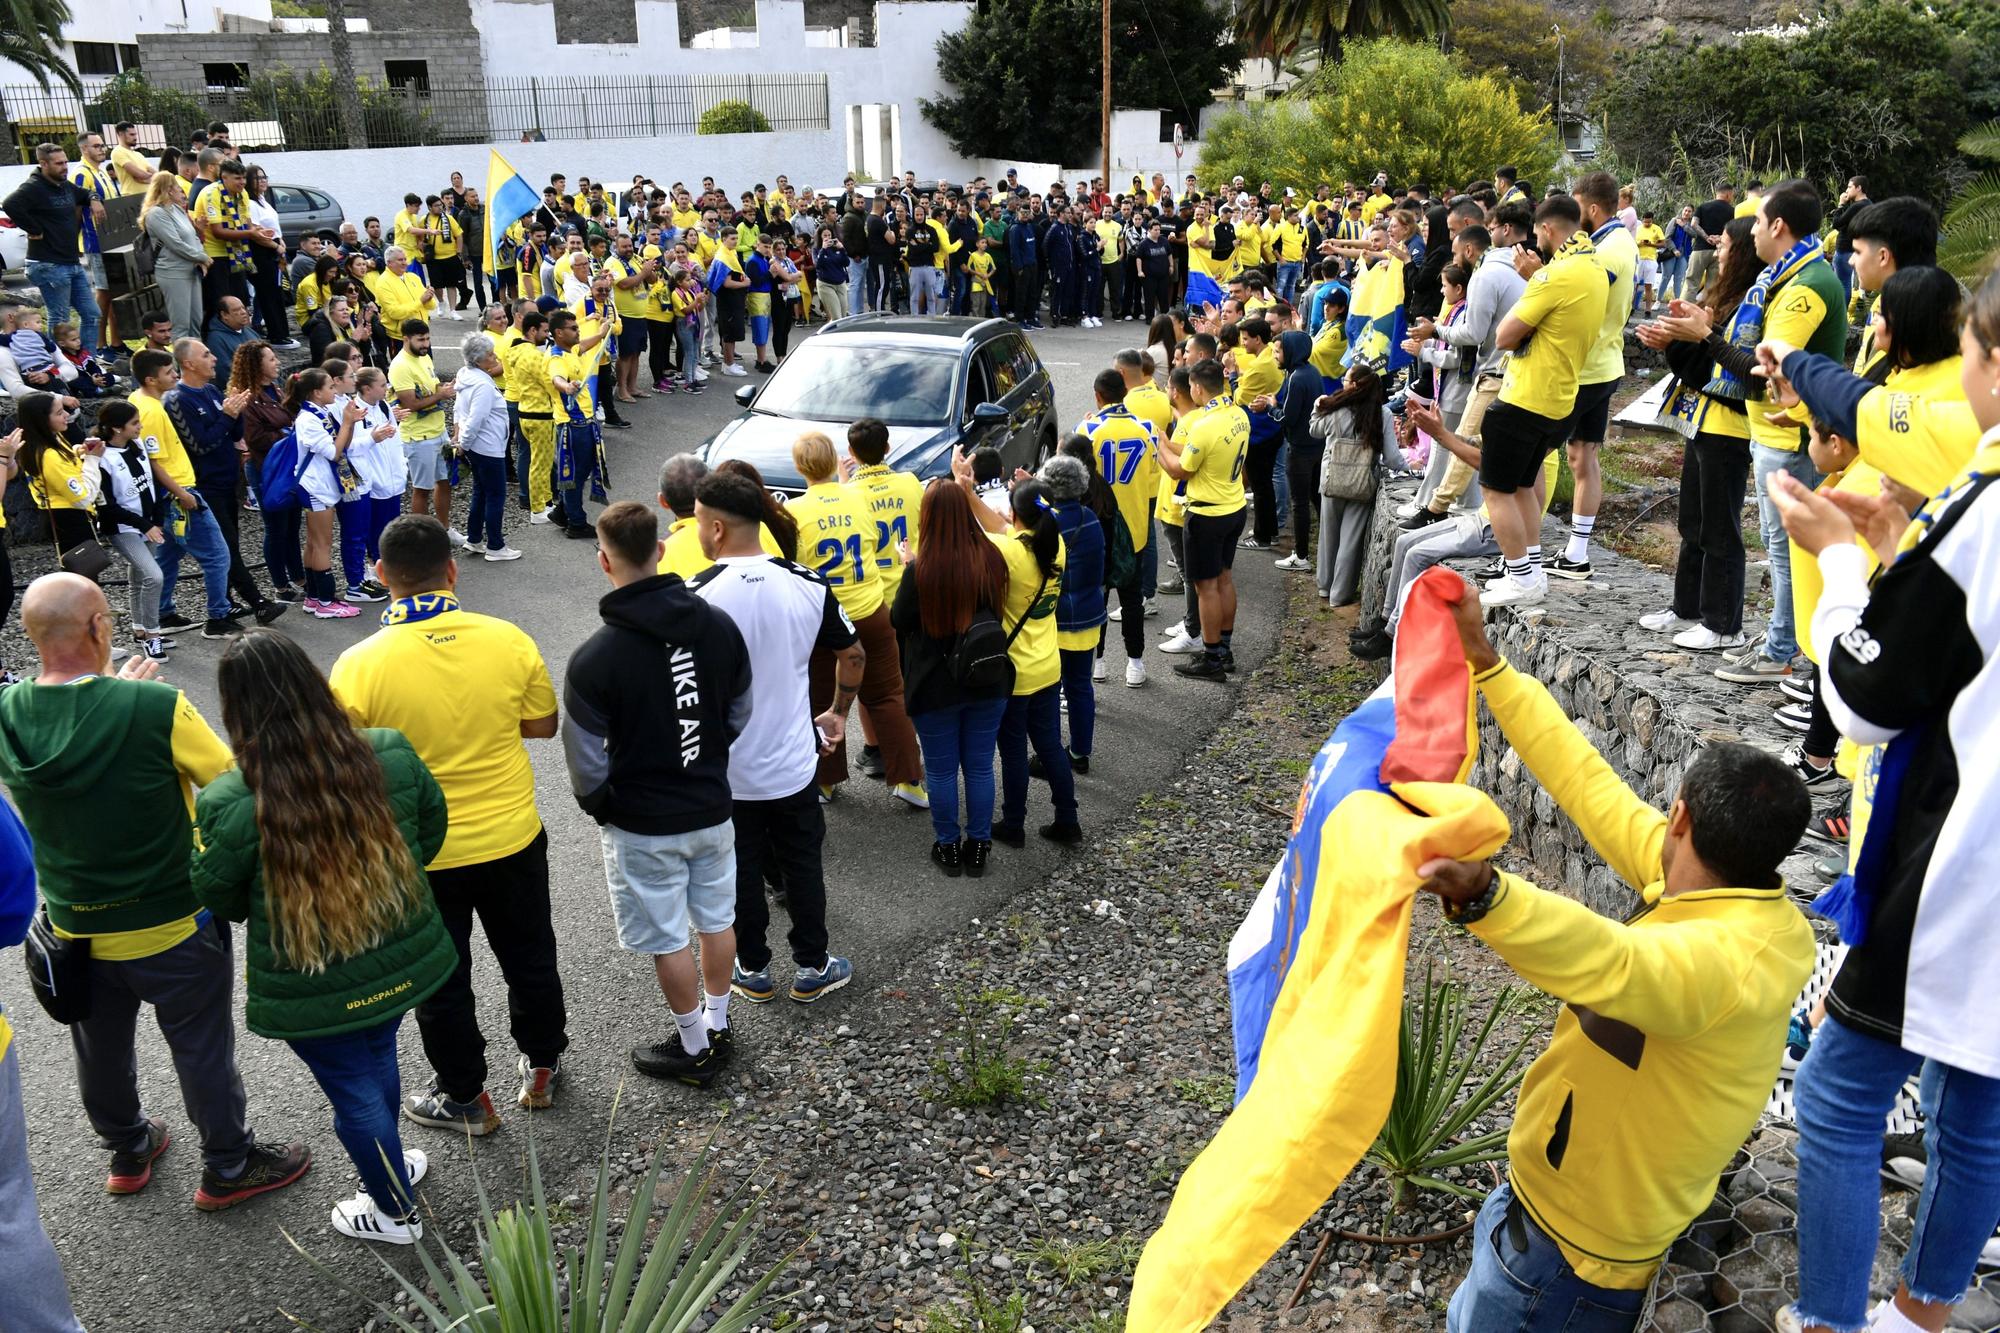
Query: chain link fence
282, 109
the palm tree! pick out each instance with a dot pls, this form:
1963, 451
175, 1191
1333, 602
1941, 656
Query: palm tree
1279, 27
32, 37
346, 88
1972, 225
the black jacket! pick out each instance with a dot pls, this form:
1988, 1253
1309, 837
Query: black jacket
47, 212
651, 702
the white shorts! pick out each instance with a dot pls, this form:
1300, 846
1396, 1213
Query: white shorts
661, 882
1648, 273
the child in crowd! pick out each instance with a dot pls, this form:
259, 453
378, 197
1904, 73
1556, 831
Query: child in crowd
980, 265
93, 378
34, 351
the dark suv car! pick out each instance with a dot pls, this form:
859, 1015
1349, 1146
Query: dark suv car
936, 382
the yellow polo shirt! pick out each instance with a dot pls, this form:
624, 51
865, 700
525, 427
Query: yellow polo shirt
890, 501
837, 539
161, 441
1217, 436
1565, 303
1033, 652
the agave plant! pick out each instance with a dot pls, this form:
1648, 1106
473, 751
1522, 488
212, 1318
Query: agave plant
532, 1287
1440, 1091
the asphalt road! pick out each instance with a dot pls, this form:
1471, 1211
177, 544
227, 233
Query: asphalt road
151, 1263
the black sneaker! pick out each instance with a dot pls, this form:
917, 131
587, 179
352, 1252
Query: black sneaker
1829, 824
1562, 567
287, 593
1011, 834
431, 1107
581, 534
1423, 518
945, 856
264, 1170
1228, 659
668, 1060
1202, 668
1061, 832
1371, 647
270, 611
1079, 763
133, 1171
1810, 774
972, 855
220, 629
174, 620
871, 764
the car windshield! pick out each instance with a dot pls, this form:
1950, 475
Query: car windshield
831, 379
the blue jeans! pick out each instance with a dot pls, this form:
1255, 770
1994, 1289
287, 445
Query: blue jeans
203, 541
67, 292
1082, 695
1036, 717
357, 1071
689, 335
1281, 481
1843, 264
1520, 1283
37, 1293
955, 740
1288, 278
857, 283
1780, 639
1673, 276
489, 501
1846, 1086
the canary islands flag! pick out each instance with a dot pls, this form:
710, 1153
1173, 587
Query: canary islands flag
1203, 290
1316, 970
508, 200
1376, 324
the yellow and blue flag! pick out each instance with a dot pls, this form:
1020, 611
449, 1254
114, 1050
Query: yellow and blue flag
1376, 323
508, 199
1316, 972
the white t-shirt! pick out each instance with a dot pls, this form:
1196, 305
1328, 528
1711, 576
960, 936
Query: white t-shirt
784, 612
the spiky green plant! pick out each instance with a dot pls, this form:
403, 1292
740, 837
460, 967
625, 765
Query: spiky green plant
1440, 1091
1972, 226
526, 1276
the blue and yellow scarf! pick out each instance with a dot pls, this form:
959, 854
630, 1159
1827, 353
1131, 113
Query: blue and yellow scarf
236, 216
1746, 326
421, 606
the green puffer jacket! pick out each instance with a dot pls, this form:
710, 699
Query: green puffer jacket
353, 993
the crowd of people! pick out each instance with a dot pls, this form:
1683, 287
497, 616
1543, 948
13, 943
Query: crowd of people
1297, 350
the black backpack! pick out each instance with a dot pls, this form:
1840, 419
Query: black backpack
977, 660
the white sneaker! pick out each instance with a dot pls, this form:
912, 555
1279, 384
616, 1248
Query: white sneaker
1100, 670
360, 1218
1702, 639
1665, 622
735, 368
539, 518
1152, 607
1116, 614
1135, 674
458, 538
1181, 643
1292, 562
1511, 593
1406, 511
503, 553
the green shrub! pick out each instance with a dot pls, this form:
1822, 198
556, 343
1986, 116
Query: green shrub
1357, 117
129, 96
733, 117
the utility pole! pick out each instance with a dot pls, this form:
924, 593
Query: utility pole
1104, 119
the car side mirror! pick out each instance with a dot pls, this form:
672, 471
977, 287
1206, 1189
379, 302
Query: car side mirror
988, 414
746, 395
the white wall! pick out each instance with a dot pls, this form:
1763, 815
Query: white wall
121, 21
521, 43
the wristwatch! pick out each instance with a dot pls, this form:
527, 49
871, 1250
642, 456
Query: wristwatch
1464, 914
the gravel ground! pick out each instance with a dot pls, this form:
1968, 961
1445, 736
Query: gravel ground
1106, 983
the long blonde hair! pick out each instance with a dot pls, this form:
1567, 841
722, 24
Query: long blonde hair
338, 876
164, 188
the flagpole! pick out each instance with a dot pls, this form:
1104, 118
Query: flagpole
1104, 117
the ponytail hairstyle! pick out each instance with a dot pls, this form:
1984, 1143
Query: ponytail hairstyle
782, 525
1036, 519
114, 416
302, 387
1363, 397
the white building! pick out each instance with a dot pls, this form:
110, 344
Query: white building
101, 38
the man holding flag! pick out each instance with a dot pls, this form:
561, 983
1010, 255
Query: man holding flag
508, 200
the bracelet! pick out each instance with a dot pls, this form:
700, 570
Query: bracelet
1464, 914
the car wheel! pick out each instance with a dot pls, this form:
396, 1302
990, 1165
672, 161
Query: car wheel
1045, 450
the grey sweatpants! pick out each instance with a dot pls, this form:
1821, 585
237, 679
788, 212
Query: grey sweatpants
145, 585
37, 1294
1343, 543
1456, 537
190, 987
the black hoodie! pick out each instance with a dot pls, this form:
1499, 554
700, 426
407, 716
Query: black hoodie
651, 703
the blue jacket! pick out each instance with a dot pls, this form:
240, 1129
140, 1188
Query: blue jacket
1080, 605
831, 265
209, 433
1061, 245
1022, 251
17, 878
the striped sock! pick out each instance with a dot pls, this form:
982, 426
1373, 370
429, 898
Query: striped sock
1522, 571
1580, 527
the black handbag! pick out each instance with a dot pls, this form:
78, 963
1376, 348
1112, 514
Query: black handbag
88, 558
58, 970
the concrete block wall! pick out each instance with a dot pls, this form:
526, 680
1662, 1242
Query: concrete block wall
176, 59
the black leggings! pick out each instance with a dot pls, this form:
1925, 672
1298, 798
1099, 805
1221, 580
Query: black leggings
1263, 455
660, 342
1822, 737
1302, 469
